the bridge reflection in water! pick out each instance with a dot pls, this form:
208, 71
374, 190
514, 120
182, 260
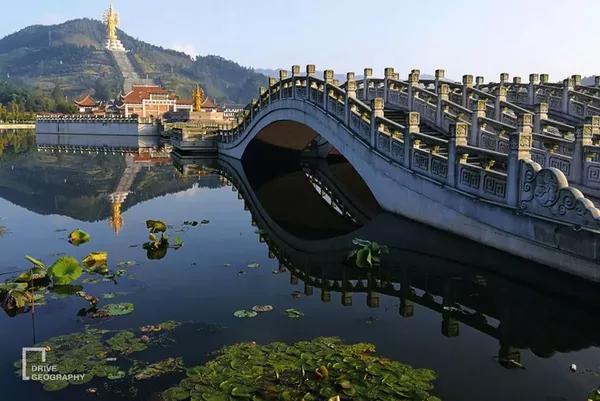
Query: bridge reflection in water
468, 284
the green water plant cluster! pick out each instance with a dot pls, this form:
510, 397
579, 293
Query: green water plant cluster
158, 244
320, 369
96, 353
367, 253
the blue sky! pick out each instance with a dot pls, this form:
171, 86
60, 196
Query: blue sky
462, 36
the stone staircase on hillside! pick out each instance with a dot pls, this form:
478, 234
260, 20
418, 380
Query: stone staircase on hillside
130, 76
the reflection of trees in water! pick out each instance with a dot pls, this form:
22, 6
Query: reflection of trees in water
18, 141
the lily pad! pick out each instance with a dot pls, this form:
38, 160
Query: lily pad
65, 270
254, 265
78, 237
36, 262
96, 262
262, 308
294, 313
109, 310
320, 369
243, 313
156, 226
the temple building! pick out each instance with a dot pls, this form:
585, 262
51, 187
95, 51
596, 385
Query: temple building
88, 105
204, 111
150, 102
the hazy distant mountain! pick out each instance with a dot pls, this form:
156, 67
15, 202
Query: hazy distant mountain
72, 55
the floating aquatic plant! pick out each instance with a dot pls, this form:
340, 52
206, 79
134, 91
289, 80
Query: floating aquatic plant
78, 237
141, 371
262, 308
156, 226
243, 313
111, 310
96, 262
321, 369
368, 253
65, 270
294, 313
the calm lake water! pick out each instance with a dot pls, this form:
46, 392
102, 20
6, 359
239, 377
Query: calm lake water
493, 326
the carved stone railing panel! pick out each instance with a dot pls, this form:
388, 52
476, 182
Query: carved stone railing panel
546, 192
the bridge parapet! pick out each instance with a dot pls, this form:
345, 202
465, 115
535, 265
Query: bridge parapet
489, 141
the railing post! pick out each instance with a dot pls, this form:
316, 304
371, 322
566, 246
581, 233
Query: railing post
328, 79
388, 74
467, 85
544, 79
519, 149
583, 138
458, 137
479, 80
377, 105
413, 119
500, 97
272, 82
443, 95
534, 79
310, 72
261, 91
597, 81
567, 86
413, 81
541, 113
576, 78
439, 77
295, 73
350, 93
479, 112
368, 73
282, 76
503, 78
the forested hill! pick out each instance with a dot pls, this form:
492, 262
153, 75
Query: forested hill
72, 56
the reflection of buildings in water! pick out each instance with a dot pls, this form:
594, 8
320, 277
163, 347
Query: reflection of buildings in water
458, 279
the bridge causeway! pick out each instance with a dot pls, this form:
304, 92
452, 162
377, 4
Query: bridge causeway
513, 165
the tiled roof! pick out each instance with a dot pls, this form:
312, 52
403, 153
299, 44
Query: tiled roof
87, 101
141, 92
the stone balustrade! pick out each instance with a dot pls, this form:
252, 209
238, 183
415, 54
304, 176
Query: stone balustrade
490, 149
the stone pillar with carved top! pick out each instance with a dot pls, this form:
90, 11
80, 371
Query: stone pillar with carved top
443, 96
328, 78
478, 112
439, 77
388, 74
541, 113
565, 101
500, 93
467, 81
368, 73
597, 81
377, 106
458, 137
282, 77
295, 73
311, 70
350, 94
519, 149
261, 92
503, 78
534, 80
272, 82
413, 120
413, 81
583, 138
479, 80
576, 80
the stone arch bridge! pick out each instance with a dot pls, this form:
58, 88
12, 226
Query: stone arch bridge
509, 164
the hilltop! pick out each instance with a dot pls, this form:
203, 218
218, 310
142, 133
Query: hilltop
72, 56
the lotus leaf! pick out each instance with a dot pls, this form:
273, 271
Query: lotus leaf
244, 313
328, 370
78, 237
262, 308
96, 262
36, 262
294, 313
156, 369
156, 226
120, 309
65, 270
36, 273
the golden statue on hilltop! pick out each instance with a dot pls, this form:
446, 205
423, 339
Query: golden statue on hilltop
111, 19
198, 98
